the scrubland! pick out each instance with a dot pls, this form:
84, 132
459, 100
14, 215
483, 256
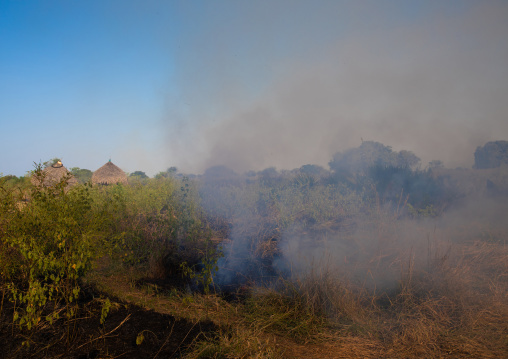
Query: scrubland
393, 263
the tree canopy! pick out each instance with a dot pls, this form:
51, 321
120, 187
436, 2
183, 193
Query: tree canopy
170, 172
139, 174
311, 169
370, 154
82, 175
493, 154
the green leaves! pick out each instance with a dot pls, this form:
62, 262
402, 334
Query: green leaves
52, 237
209, 262
140, 338
105, 310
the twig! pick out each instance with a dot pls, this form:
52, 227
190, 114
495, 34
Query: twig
167, 338
105, 335
2, 305
186, 335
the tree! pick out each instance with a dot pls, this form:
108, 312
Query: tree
139, 174
313, 170
417, 188
170, 172
493, 154
82, 175
434, 164
370, 154
406, 159
219, 173
269, 172
269, 176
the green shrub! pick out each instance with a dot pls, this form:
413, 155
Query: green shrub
51, 241
153, 225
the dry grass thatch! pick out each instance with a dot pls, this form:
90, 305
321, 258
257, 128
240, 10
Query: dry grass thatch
109, 174
53, 175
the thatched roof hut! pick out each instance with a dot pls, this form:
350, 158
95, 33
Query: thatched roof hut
53, 175
109, 174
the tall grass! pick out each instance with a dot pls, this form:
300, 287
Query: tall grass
448, 298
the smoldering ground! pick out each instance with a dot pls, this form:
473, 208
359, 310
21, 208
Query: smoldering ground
375, 247
381, 250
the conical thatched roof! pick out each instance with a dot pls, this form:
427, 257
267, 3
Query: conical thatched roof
109, 174
53, 175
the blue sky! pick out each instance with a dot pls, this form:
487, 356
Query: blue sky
248, 84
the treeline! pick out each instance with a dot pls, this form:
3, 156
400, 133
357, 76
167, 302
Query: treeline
372, 173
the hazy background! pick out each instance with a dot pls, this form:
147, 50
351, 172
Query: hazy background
248, 84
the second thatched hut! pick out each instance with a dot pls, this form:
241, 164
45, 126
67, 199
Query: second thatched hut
109, 174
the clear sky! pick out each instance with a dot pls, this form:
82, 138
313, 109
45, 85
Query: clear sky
248, 84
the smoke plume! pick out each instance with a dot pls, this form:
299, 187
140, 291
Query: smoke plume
289, 85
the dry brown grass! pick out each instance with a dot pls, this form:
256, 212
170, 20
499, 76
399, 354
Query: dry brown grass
459, 308
438, 292
448, 299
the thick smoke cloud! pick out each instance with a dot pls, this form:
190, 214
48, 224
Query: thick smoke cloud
377, 251
291, 84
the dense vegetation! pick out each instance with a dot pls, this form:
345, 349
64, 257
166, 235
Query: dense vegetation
491, 155
375, 258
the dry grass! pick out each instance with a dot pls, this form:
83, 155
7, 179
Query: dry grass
429, 293
238, 342
448, 299
459, 308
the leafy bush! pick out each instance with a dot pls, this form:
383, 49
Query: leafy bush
419, 188
153, 225
51, 241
